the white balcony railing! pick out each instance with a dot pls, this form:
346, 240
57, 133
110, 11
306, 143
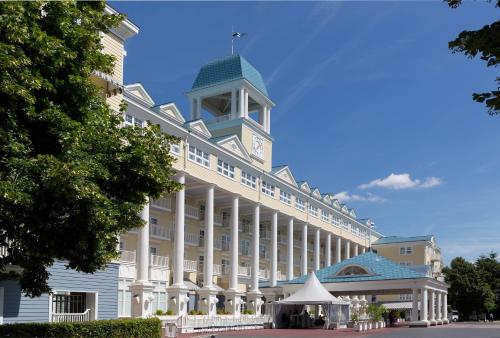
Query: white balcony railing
264, 273
159, 261
162, 203
297, 243
71, 317
265, 234
190, 266
281, 275
243, 271
127, 256
160, 231
218, 219
191, 239
282, 239
192, 211
218, 244
217, 269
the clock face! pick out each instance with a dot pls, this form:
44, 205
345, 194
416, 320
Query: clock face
258, 146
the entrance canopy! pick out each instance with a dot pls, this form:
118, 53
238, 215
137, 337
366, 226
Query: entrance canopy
312, 293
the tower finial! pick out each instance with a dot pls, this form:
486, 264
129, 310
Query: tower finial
235, 35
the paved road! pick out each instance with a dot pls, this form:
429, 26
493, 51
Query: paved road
448, 331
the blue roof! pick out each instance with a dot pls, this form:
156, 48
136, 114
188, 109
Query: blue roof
398, 239
228, 69
378, 267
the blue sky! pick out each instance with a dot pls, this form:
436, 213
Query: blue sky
362, 91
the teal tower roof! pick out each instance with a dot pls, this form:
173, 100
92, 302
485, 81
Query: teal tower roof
228, 69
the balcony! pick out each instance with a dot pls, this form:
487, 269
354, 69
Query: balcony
160, 232
127, 256
265, 234
159, 261
190, 266
162, 203
217, 269
297, 243
158, 266
243, 271
280, 275
218, 219
71, 317
191, 239
127, 267
264, 273
192, 211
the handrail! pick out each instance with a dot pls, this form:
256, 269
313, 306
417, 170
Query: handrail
71, 317
127, 256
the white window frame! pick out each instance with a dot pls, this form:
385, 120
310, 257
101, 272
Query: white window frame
406, 296
405, 250
249, 180
268, 189
325, 215
225, 169
175, 148
313, 211
300, 204
285, 197
198, 156
406, 264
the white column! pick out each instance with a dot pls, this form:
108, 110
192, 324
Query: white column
143, 246
317, 234
209, 238
256, 249
356, 249
363, 249
198, 108
414, 309
424, 305
339, 249
269, 120
233, 281
304, 249
444, 310
234, 108
439, 311
245, 113
432, 298
328, 249
179, 233
347, 249
274, 249
265, 114
193, 109
241, 111
289, 274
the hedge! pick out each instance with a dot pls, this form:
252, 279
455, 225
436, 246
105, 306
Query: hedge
116, 328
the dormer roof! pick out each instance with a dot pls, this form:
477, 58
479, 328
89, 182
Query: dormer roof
284, 172
198, 127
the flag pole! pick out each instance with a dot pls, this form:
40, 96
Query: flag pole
232, 40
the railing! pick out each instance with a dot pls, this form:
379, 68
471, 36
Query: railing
191, 239
297, 243
205, 323
265, 234
218, 219
225, 269
160, 261
71, 317
264, 273
217, 269
280, 275
127, 256
192, 211
243, 271
190, 266
160, 231
218, 119
162, 203
282, 239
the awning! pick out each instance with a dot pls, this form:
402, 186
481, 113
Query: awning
399, 305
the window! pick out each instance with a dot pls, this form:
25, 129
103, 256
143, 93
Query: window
199, 156
153, 220
407, 250
406, 296
285, 197
313, 211
153, 250
245, 247
248, 180
336, 220
325, 216
268, 189
263, 251
175, 148
138, 123
225, 169
405, 263
300, 204
129, 120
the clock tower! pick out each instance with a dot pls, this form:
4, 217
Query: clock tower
229, 96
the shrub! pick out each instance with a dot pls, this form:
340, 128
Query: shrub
159, 312
116, 328
247, 312
170, 312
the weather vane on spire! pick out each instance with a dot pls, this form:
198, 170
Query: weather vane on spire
235, 35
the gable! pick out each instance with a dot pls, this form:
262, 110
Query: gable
327, 199
138, 91
234, 145
352, 213
304, 186
199, 127
336, 203
344, 209
316, 193
286, 175
171, 110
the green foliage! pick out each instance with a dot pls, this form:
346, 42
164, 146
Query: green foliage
71, 178
474, 287
484, 42
169, 312
223, 312
159, 312
375, 312
248, 312
118, 328
197, 312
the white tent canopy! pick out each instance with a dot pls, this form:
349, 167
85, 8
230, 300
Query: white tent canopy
311, 293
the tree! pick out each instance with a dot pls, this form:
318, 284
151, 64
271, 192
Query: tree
71, 178
484, 42
474, 287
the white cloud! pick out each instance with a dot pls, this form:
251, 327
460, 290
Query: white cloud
345, 196
402, 181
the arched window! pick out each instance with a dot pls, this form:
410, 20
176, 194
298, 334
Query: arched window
352, 270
